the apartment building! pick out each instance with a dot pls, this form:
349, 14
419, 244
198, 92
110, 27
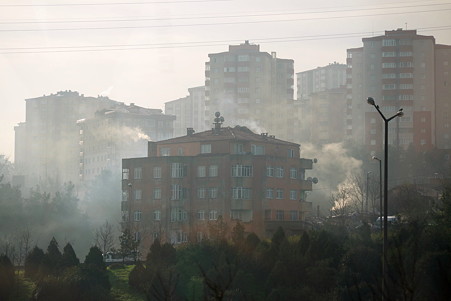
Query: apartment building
114, 134
252, 88
189, 111
399, 69
186, 184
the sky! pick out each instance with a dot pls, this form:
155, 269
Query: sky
151, 52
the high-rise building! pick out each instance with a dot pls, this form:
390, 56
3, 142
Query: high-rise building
47, 143
322, 98
321, 79
189, 111
121, 132
400, 69
68, 137
252, 88
187, 184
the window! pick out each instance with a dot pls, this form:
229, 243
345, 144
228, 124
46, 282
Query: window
165, 151
388, 54
137, 173
238, 148
137, 216
388, 65
269, 171
157, 215
294, 215
213, 171
279, 172
157, 172
241, 193
279, 194
200, 236
177, 192
201, 192
178, 215
388, 42
279, 215
243, 69
157, 193
137, 236
180, 151
178, 170
405, 86
241, 170
201, 171
293, 173
257, 149
205, 148
389, 87
212, 192
270, 193
291, 153
125, 174
293, 195
201, 215
213, 215
243, 58
138, 194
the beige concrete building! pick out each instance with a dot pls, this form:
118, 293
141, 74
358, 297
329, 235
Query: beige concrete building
252, 88
189, 111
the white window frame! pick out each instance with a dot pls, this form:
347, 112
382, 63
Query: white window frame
205, 148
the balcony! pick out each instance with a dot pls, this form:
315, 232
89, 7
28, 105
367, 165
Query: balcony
306, 163
305, 185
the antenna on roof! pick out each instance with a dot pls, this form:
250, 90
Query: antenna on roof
218, 122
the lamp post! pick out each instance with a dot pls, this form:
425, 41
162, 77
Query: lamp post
371, 102
129, 206
380, 189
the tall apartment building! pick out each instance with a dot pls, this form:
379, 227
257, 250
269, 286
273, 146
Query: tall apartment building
68, 137
321, 94
187, 183
121, 132
189, 111
321, 79
47, 143
400, 69
252, 88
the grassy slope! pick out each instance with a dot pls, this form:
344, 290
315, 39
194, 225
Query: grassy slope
119, 285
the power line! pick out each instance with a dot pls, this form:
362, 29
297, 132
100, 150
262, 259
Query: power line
218, 23
147, 46
108, 3
262, 14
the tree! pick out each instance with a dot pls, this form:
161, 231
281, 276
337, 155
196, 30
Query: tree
128, 245
95, 258
104, 237
7, 277
33, 262
238, 236
52, 259
69, 258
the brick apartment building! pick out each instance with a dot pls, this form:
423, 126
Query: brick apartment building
187, 183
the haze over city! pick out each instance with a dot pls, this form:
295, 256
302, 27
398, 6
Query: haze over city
151, 52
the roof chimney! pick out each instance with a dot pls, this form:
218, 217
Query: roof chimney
189, 131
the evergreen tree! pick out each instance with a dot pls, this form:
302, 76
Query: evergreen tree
52, 259
33, 262
95, 258
69, 257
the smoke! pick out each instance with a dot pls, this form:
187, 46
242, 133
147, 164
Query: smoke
107, 92
335, 170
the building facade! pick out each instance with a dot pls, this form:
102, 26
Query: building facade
47, 143
321, 79
188, 184
189, 111
400, 69
252, 88
114, 134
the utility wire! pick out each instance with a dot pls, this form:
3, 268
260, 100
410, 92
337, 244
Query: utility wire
108, 3
262, 14
147, 46
218, 23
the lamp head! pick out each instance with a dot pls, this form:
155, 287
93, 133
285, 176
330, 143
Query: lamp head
375, 158
400, 113
370, 101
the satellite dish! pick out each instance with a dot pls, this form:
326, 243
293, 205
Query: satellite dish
315, 180
217, 114
315, 160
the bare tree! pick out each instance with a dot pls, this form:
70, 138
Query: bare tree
104, 237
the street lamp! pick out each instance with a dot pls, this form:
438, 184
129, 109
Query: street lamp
130, 206
380, 189
371, 102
